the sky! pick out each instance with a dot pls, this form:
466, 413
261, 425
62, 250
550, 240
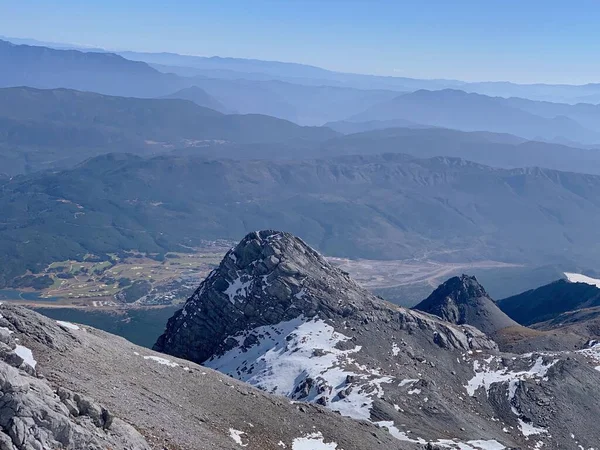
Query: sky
524, 41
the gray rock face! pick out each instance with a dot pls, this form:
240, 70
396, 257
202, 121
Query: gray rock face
462, 300
276, 315
33, 416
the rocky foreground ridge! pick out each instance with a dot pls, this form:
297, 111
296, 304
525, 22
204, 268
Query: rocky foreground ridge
67, 386
36, 415
276, 315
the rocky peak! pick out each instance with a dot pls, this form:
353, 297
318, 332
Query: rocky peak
268, 278
462, 300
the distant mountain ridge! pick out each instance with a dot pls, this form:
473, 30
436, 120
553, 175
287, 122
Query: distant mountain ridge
111, 74
43, 67
548, 302
57, 128
349, 206
236, 68
304, 94
456, 109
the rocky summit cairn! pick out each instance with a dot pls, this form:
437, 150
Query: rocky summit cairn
462, 300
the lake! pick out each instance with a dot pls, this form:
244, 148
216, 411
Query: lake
13, 294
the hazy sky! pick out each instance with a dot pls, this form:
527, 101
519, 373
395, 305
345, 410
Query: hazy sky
522, 41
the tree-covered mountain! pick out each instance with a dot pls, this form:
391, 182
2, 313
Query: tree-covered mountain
57, 128
494, 149
391, 206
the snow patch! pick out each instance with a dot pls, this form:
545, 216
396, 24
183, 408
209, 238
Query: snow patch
236, 435
528, 429
579, 278
163, 361
238, 288
313, 441
400, 435
444, 443
592, 352
26, 354
470, 445
69, 325
300, 295
485, 376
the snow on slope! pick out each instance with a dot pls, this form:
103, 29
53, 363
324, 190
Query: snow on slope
579, 278
491, 371
69, 325
313, 441
300, 359
485, 376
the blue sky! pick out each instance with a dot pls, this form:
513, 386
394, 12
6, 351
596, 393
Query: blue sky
523, 41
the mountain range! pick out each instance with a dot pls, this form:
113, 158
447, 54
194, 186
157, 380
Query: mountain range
332, 97
549, 302
235, 68
475, 112
328, 365
137, 171
50, 129
350, 207
111, 74
58, 128
276, 315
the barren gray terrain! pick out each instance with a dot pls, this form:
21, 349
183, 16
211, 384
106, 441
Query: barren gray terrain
173, 403
277, 315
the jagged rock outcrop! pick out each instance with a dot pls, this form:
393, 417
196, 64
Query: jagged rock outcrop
276, 315
33, 415
462, 300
